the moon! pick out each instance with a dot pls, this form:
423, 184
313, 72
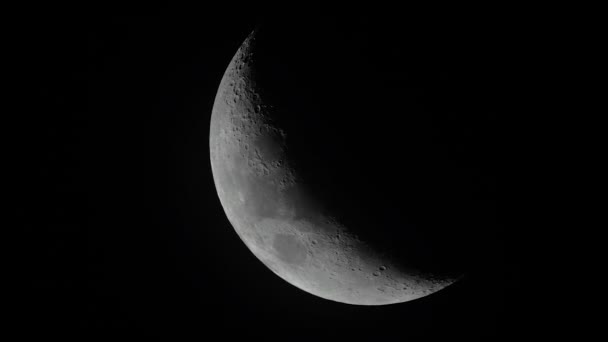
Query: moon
284, 220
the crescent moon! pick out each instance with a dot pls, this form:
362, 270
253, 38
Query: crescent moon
274, 214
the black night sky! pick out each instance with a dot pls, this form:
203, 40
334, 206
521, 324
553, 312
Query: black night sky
125, 229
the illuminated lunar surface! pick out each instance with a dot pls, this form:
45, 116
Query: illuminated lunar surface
278, 218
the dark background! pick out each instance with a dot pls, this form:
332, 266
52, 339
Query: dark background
124, 230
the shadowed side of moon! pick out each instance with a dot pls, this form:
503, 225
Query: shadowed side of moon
300, 225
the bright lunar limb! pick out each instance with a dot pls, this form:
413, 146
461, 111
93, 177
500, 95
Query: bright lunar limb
278, 218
